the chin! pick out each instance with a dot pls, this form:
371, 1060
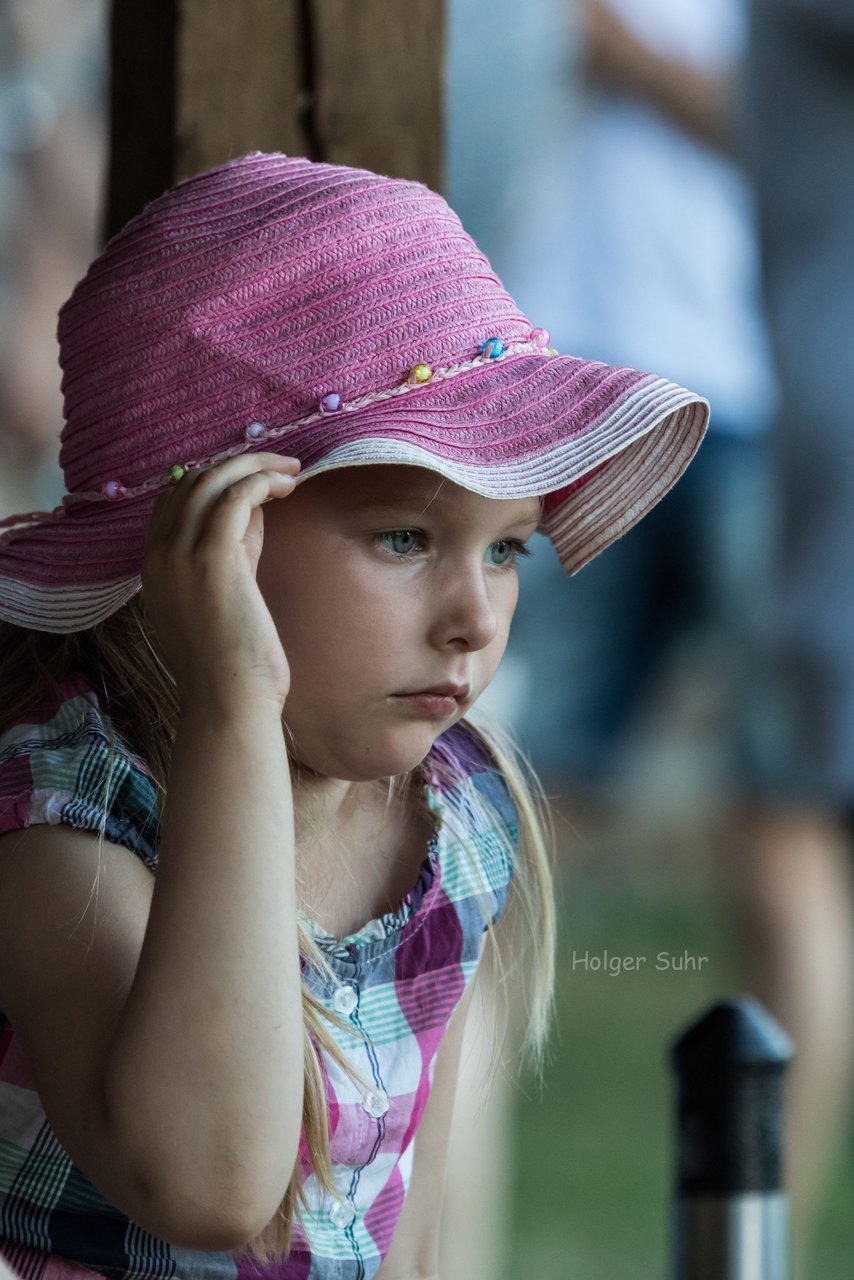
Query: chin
383, 760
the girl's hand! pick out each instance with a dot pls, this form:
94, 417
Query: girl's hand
199, 583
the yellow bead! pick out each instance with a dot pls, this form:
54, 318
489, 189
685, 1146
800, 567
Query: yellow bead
175, 472
552, 351
420, 373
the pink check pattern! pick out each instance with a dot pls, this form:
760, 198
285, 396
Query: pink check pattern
398, 980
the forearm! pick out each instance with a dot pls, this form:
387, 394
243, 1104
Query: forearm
699, 103
703, 104
207, 1061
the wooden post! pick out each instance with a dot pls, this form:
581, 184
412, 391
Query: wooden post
194, 82
142, 106
241, 72
378, 78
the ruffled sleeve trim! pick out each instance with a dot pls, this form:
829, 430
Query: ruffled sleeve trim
58, 767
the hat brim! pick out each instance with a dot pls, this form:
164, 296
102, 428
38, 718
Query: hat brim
601, 444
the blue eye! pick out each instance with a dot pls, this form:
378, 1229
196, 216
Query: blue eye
398, 533
517, 548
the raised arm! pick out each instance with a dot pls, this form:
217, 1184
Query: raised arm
163, 1021
162, 1018
702, 103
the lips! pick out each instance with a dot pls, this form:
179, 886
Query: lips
458, 691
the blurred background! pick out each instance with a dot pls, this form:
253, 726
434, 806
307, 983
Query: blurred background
665, 184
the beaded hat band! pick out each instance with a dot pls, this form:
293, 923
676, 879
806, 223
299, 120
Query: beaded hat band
338, 316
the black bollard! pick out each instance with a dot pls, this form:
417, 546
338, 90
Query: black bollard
731, 1210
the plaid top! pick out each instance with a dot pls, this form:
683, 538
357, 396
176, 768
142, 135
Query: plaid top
398, 980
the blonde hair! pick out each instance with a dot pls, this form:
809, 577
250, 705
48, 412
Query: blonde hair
120, 657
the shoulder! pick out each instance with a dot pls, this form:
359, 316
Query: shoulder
480, 819
66, 762
468, 762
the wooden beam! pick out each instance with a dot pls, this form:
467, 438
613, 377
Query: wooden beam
142, 106
242, 81
378, 83
195, 82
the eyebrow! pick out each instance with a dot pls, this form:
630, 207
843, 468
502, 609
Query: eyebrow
388, 502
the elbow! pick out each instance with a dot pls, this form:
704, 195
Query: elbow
220, 1234
231, 1226
212, 1195
210, 1183
216, 1223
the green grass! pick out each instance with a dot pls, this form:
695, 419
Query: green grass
594, 1155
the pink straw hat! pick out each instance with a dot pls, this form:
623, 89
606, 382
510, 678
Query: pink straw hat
340, 317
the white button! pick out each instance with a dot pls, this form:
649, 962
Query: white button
376, 1104
342, 1214
345, 1000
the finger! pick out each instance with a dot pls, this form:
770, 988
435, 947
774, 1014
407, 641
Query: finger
166, 512
228, 516
191, 497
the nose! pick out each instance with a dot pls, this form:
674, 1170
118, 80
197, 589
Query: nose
469, 608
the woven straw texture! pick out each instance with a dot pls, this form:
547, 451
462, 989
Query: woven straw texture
250, 293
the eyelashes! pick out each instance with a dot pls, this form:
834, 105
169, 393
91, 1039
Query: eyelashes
517, 547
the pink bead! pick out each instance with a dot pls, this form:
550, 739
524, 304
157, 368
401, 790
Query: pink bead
540, 337
113, 489
255, 431
331, 403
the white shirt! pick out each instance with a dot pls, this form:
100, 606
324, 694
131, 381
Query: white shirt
627, 239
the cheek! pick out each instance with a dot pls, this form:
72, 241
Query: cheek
509, 599
334, 611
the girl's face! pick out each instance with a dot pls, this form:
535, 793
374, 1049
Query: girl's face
383, 580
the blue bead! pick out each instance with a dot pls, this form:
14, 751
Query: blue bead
493, 347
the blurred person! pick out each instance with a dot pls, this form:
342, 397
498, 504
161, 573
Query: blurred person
796, 842
52, 55
657, 262
660, 196
649, 254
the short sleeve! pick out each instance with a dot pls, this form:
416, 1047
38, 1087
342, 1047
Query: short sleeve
500, 837
485, 810
59, 766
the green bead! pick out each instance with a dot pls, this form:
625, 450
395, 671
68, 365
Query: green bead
175, 472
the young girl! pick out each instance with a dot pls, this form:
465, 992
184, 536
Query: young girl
255, 848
